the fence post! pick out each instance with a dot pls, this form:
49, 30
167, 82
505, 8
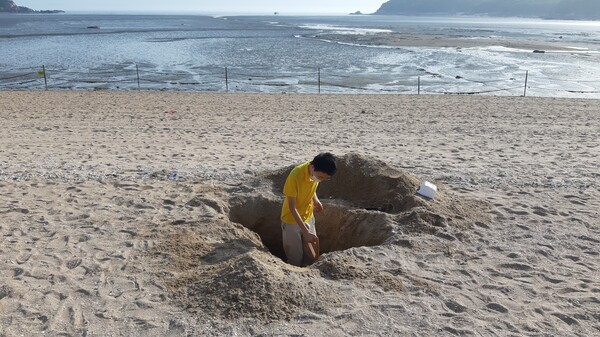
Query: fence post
419, 85
226, 80
319, 77
525, 89
45, 78
137, 71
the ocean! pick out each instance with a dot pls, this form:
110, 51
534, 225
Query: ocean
290, 54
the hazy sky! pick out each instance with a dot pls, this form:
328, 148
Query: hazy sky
210, 6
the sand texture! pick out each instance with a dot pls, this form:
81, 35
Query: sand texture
156, 214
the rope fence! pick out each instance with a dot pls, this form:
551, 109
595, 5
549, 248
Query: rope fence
315, 80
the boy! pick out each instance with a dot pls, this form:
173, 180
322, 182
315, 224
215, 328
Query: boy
297, 218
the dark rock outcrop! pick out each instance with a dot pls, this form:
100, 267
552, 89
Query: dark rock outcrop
9, 6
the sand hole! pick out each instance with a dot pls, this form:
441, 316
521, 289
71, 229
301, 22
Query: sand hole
338, 226
260, 215
359, 205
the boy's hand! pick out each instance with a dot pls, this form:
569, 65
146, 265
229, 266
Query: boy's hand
309, 237
318, 206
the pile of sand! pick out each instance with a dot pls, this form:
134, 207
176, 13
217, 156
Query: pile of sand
219, 268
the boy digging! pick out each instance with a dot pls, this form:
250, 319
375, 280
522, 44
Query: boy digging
297, 218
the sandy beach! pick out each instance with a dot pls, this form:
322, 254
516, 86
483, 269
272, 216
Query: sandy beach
155, 214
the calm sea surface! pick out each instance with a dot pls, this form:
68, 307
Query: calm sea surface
277, 53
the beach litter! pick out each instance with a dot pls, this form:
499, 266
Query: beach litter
427, 190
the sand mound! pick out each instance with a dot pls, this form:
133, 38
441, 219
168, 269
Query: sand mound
231, 264
254, 285
221, 269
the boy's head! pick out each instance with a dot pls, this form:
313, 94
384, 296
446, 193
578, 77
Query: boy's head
324, 166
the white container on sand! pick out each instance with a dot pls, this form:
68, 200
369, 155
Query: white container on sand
427, 189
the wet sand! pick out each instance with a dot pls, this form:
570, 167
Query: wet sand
444, 41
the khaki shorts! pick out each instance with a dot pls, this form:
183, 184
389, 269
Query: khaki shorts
295, 250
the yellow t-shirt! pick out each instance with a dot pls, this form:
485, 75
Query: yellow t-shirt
299, 185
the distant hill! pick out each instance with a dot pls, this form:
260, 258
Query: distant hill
548, 9
9, 6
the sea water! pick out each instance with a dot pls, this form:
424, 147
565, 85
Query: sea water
285, 53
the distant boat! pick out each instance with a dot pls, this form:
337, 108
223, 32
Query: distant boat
93, 27
276, 13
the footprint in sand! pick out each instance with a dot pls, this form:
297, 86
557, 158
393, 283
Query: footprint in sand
567, 319
511, 211
573, 258
540, 211
69, 319
74, 263
516, 266
482, 225
455, 306
18, 272
551, 280
497, 307
572, 200
168, 202
5, 291
23, 258
587, 238
20, 210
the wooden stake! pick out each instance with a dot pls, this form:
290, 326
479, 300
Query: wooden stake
525, 89
226, 80
137, 70
319, 77
45, 78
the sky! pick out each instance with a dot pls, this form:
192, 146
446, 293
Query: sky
210, 6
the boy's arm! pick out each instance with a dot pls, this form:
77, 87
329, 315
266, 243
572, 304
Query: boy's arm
305, 233
317, 203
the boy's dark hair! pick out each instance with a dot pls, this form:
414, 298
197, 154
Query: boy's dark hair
325, 162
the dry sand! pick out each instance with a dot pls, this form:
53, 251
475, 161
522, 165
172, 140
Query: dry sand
97, 238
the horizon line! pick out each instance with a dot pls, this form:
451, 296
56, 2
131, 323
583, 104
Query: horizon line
195, 12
